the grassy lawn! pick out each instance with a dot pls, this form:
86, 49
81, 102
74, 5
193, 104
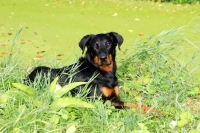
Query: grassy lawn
55, 27
161, 71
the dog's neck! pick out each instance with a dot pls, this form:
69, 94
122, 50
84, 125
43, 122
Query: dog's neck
105, 70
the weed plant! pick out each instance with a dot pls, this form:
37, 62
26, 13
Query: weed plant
150, 73
180, 1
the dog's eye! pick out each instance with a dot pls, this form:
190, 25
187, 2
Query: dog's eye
108, 44
96, 45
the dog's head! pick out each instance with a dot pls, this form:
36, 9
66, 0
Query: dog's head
101, 48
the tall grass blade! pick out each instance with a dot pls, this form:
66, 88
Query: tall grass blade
71, 129
13, 43
59, 93
53, 85
24, 88
69, 102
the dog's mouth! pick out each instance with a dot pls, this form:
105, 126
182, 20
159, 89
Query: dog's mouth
103, 61
104, 64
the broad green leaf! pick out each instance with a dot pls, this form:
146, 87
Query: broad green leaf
64, 114
143, 128
16, 130
194, 131
53, 85
71, 129
59, 93
196, 90
137, 131
54, 119
8, 94
138, 98
4, 97
24, 88
146, 79
109, 111
22, 108
165, 86
152, 90
69, 102
186, 115
193, 92
182, 123
146, 131
37, 103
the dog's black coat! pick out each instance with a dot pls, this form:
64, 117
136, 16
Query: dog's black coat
100, 57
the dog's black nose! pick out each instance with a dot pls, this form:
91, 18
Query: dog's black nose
103, 57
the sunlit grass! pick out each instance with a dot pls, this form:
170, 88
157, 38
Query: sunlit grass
150, 73
63, 23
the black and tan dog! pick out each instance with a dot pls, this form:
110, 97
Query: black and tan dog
100, 57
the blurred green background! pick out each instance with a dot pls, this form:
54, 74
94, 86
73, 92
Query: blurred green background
54, 27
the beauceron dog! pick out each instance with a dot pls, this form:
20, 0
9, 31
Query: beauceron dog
99, 58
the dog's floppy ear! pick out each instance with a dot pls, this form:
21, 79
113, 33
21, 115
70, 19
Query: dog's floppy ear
85, 41
118, 39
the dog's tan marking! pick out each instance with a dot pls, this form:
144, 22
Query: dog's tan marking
116, 90
106, 91
108, 68
96, 60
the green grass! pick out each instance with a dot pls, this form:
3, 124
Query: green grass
160, 70
148, 73
52, 27
181, 1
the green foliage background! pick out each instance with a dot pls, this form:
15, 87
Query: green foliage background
181, 1
160, 70
149, 74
